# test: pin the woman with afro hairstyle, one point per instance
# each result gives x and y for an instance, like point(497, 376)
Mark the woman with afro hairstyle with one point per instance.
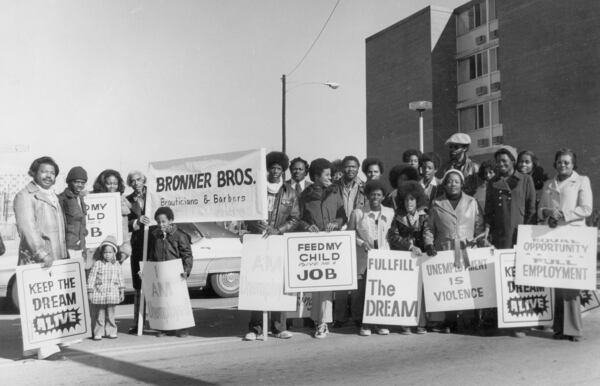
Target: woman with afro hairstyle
point(398, 175)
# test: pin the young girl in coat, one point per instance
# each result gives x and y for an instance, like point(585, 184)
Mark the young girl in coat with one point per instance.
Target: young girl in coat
point(106, 289)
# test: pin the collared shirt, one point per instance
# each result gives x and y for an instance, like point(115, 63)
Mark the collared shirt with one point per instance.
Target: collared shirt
point(371, 226)
point(301, 183)
point(349, 192)
point(429, 187)
point(50, 194)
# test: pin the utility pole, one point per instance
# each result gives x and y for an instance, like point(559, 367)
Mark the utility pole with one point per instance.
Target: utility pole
point(283, 92)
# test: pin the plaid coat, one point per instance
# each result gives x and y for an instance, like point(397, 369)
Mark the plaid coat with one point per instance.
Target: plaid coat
point(105, 283)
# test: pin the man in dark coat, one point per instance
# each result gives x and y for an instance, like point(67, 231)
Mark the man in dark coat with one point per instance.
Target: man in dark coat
point(509, 201)
point(283, 217)
point(73, 206)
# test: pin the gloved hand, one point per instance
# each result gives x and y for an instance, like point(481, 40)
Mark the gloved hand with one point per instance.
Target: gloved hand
point(430, 250)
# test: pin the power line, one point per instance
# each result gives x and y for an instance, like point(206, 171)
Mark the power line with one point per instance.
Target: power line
point(316, 39)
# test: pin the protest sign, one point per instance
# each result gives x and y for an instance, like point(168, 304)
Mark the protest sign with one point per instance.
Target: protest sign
point(167, 297)
point(448, 288)
point(320, 261)
point(103, 218)
point(220, 187)
point(393, 290)
point(590, 300)
point(261, 275)
point(561, 257)
point(303, 306)
point(53, 303)
point(520, 305)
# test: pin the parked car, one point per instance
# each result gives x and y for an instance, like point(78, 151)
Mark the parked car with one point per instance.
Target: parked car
point(217, 255)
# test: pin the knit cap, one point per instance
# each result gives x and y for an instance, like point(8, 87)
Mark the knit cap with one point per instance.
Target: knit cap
point(77, 173)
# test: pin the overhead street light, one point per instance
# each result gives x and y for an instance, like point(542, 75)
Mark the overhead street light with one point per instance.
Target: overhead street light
point(420, 106)
point(284, 90)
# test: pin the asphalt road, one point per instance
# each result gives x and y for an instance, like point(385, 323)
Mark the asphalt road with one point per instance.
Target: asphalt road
point(215, 354)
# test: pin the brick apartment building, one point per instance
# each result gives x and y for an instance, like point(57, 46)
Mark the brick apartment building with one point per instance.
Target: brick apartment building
point(520, 72)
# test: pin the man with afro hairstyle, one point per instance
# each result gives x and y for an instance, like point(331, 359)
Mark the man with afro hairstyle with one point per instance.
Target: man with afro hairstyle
point(283, 217)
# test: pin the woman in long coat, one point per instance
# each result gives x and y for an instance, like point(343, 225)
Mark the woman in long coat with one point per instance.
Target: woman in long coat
point(456, 222)
point(510, 201)
point(322, 209)
point(566, 200)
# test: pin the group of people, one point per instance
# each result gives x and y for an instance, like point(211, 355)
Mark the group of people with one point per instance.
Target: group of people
point(431, 207)
point(53, 226)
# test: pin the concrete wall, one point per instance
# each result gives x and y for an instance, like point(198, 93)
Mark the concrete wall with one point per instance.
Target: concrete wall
point(550, 64)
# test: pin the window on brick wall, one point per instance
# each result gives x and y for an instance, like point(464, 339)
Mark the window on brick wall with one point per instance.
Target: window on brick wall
point(483, 115)
point(472, 18)
point(494, 64)
point(496, 117)
point(468, 119)
point(473, 67)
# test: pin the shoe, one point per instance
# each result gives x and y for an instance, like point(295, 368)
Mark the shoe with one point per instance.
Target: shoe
point(160, 334)
point(56, 357)
point(97, 337)
point(132, 331)
point(364, 331)
point(251, 336)
point(383, 331)
point(405, 330)
point(575, 338)
point(322, 331)
point(558, 336)
point(518, 334)
point(337, 324)
point(284, 335)
point(112, 337)
point(421, 330)
point(445, 330)
point(183, 333)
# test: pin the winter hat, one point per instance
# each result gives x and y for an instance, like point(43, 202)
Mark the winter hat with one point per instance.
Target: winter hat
point(77, 173)
point(110, 240)
point(455, 171)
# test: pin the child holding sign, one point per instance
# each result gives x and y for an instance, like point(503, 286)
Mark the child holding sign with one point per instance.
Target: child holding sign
point(169, 243)
point(106, 289)
point(410, 232)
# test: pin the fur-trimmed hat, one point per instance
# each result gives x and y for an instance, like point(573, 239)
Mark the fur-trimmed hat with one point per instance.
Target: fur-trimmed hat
point(410, 172)
point(110, 240)
point(279, 158)
point(414, 189)
point(455, 171)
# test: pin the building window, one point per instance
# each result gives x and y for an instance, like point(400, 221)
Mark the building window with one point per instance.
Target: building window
point(492, 5)
point(483, 115)
point(494, 64)
point(473, 67)
point(472, 18)
point(496, 118)
point(468, 119)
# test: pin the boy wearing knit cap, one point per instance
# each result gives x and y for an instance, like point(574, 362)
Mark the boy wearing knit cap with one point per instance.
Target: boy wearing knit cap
point(73, 206)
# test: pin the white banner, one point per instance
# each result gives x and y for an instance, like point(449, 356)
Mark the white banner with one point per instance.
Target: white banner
point(261, 275)
point(320, 261)
point(518, 305)
point(167, 298)
point(561, 257)
point(393, 290)
point(53, 302)
point(448, 288)
point(220, 187)
point(103, 218)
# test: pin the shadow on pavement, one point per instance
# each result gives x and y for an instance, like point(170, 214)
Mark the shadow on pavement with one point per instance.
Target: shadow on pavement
point(135, 371)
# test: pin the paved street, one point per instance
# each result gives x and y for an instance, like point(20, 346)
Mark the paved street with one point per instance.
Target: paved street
point(215, 354)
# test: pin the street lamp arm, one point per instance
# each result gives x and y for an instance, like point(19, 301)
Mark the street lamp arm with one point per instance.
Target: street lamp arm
point(331, 85)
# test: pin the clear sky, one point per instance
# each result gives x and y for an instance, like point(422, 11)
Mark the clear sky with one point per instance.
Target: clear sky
point(119, 83)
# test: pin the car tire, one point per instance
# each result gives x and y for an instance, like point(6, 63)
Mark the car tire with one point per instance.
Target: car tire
point(225, 285)
point(13, 294)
